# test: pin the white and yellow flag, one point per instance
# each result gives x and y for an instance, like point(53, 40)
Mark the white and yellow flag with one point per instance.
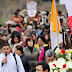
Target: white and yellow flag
point(53, 32)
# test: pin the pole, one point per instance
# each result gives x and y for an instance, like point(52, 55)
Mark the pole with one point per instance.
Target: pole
point(56, 24)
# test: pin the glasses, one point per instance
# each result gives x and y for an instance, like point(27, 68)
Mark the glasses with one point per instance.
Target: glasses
point(50, 60)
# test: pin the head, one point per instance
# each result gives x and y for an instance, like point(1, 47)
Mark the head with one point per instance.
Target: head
point(42, 67)
point(24, 39)
point(47, 28)
point(26, 32)
point(34, 36)
point(16, 14)
point(18, 10)
point(29, 28)
point(46, 35)
point(5, 48)
point(15, 37)
point(40, 40)
point(59, 13)
point(0, 27)
point(49, 42)
point(50, 56)
point(4, 38)
point(22, 35)
point(19, 50)
point(30, 42)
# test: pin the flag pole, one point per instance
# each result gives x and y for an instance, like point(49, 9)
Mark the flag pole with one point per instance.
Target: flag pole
point(56, 24)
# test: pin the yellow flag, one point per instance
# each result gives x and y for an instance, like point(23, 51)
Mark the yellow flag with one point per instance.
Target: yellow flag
point(53, 20)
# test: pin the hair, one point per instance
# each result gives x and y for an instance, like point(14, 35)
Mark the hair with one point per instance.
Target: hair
point(45, 33)
point(47, 26)
point(1, 42)
point(28, 39)
point(44, 65)
point(15, 34)
point(4, 44)
point(50, 53)
point(18, 47)
point(16, 13)
point(18, 10)
point(41, 37)
point(49, 40)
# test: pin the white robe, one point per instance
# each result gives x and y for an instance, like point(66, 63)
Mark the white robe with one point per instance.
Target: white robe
point(11, 66)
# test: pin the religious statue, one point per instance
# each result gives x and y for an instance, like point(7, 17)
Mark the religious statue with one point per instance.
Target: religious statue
point(66, 35)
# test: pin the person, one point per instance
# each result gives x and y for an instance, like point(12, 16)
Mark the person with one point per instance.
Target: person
point(8, 62)
point(42, 67)
point(24, 58)
point(40, 43)
point(42, 54)
point(2, 30)
point(31, 52)
point(15, 40)
point(47, 29)
point(26, 32)
point(24, 42)
point(29, 28)
point(50, 56)
point(45, 34)
point(16, 18)
point(1, 42)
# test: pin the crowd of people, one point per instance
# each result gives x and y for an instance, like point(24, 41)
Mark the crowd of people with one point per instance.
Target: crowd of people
point(25, 43)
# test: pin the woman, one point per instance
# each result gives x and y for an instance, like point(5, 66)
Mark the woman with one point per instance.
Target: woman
point(24, 58)
point(31, 52)
point(15, 40)
point(40, 43)
point(45, 34)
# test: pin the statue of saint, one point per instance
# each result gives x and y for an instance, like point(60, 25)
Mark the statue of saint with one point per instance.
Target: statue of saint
point(66, 35)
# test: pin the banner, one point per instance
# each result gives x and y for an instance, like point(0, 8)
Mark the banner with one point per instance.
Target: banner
point(31, 8)
point(53, 30)
point(62, 1)
point(68, 4)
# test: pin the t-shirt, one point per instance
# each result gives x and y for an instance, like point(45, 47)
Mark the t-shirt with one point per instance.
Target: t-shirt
point(16, 19)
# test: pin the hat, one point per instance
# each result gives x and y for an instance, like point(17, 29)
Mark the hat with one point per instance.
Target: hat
point(29, 27)
point(10, 22)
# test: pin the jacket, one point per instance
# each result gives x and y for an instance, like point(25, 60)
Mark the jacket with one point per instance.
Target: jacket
point(33, 56)
point(26, 63)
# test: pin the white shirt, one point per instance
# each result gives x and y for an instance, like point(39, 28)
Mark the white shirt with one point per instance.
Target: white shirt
point(11, 66)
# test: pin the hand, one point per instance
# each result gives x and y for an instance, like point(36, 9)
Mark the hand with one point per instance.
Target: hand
point(4, 60)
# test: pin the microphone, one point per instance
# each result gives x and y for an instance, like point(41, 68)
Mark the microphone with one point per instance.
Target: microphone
point(6, 56)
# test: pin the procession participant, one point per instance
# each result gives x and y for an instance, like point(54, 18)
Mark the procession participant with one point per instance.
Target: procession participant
point(8, 62)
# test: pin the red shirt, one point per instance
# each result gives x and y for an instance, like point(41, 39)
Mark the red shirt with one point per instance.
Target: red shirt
point(16, 19)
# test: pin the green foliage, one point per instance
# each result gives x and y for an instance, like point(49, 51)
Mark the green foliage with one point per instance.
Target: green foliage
point(69, 70)
point(62, 56)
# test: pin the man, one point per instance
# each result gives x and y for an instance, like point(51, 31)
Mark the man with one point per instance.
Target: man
point(42, 67)
point(47, 29)
point(2, 30)
point(16, 18)
point(8, 62)
point(29, 28)
point(24, 42)
point(50, 56)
